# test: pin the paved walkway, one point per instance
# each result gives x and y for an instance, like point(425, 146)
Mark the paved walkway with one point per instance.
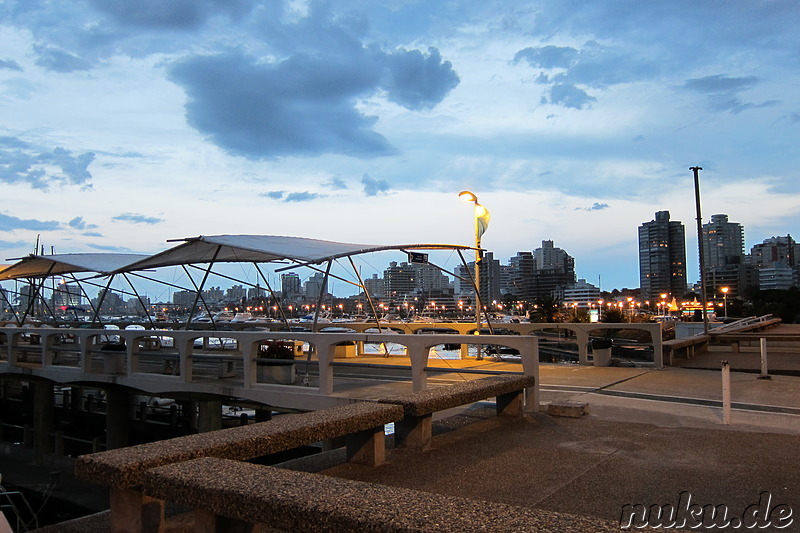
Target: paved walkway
point(651, 437)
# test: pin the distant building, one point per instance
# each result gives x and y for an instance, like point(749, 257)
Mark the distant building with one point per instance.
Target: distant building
point(724, 258)
point(183, 299)
point(375, 286)
point(582, 293)
point(314, 286)
point(236, 294)
point(399, 280)
point(662, 257)
point(67, 295)
point(490, 279)
point(777, 278)
point(290, 286)
point(777, 262)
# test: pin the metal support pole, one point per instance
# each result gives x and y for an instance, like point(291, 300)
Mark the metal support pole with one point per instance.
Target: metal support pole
point(704, 298)
point(726, 393)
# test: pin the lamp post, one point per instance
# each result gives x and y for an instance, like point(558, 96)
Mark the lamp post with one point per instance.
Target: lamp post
point(481, 223)
point(696, 172)
point(725, 299)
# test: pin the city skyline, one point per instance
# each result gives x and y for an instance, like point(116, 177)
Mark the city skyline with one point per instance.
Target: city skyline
point(130, 123)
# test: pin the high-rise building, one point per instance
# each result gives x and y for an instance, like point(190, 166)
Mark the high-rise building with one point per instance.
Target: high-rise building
point(290, 286)
point(490, 274)
point(723, 242)
point(375, 286)
point(550, 257)
point(314, 286)
point(774, 252)
point(777, 263)
point(400, 280)
point(662, 257)
point(723, 257)
point(521, 272)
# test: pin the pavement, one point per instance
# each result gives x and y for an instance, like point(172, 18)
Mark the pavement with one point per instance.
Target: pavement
point(652, 437)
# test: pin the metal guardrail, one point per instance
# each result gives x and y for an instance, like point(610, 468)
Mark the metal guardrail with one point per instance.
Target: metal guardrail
point(742, 323)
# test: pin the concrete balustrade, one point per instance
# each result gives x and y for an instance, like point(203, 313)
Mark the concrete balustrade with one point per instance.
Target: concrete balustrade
point(65, 355)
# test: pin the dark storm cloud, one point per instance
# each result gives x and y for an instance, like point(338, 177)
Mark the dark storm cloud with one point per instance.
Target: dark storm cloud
point(10, 64)
point(180, 14)
point(547, 56)
point(304, 102)
point(136, 218)
point(22, 162)
point(373, 187)
point(9, 223)
point(299, 106)
point(418, 81)
point(59, 60)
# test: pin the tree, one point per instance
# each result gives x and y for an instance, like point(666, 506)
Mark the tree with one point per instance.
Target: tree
point(613, 315)
point(546, 309)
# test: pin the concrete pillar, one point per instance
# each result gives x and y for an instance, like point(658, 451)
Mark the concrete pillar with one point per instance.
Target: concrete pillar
point(43, 398)
point(209, 415)
point(117, 417)
point(173, 415)
point(76, 399)
point(189, 415)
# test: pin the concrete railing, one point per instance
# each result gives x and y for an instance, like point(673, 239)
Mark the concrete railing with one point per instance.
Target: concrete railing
point(225, 363)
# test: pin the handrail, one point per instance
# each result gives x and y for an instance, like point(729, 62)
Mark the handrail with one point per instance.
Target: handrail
point(86, 357)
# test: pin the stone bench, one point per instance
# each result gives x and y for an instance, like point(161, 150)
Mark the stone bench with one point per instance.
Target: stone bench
point(362, 424)
point(418, 407)
point(239, 496)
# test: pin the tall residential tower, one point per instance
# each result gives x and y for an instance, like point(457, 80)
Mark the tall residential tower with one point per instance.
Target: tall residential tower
point(662, 257)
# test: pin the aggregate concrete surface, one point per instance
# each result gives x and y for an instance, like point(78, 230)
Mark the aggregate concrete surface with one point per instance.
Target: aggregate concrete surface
point(645, 441)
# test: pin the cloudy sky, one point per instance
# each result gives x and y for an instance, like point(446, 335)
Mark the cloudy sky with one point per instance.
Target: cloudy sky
point(126, 123)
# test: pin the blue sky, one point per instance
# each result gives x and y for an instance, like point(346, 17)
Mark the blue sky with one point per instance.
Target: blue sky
point(125, 123)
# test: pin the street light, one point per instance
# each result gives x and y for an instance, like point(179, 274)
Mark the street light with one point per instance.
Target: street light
point(725, 299)
point(481, 223)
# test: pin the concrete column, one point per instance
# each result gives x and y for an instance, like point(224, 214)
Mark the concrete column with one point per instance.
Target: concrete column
point(189, 415)
point(43, 398)
point(209, 415)
point(117, 417)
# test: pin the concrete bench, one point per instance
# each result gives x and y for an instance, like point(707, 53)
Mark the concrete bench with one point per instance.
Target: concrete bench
point(418, 407)
point(240, 496)
point(684, 348)
point(122, 469)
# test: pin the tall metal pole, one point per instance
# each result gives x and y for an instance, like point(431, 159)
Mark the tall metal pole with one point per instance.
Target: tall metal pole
point(478, 301)
point(696, 171)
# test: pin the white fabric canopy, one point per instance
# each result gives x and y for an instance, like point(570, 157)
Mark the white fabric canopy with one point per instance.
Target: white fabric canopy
point(265, 248)
point(35, 266)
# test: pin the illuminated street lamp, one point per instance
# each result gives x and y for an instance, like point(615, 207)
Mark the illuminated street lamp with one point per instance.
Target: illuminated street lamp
point(481, 223)
point(725, 299)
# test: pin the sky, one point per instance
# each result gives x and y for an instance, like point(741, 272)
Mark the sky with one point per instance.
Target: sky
point(127, 123)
